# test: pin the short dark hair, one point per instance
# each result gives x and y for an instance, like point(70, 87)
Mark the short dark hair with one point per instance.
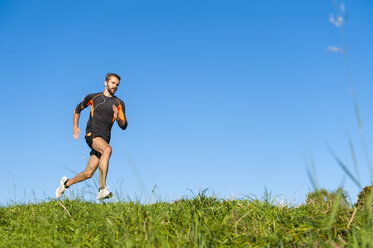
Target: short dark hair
point(108, 75)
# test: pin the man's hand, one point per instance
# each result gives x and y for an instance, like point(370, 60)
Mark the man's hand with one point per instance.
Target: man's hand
point(121, 122)
point(76, 132)
point(116, 112)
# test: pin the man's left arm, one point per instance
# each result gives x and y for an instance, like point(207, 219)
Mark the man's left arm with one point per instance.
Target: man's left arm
point(120, 115)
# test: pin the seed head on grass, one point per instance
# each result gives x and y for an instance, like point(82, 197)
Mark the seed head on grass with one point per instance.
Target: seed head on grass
point(365, 198)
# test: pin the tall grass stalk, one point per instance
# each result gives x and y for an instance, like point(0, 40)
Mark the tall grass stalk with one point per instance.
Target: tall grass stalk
point(340, 12)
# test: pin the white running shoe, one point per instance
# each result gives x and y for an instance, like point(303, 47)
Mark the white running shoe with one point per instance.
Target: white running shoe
point(62, 188)
point(104, 193)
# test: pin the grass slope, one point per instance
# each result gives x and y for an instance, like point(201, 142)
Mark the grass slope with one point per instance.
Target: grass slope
point(201, 221)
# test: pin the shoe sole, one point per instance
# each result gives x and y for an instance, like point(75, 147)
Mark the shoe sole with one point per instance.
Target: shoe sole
point(63, 180)
point(106, 196)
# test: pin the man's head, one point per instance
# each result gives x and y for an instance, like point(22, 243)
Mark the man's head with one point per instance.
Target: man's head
point(112, 81)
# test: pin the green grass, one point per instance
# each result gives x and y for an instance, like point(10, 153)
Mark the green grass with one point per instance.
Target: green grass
point(200, 221)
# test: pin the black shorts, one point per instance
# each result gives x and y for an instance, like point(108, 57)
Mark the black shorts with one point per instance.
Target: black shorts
point(89, 140)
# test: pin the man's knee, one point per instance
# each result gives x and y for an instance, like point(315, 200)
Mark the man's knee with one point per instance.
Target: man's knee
point(108, 150)
point(88, 174)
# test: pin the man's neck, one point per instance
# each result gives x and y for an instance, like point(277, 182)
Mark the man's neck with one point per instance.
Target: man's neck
point(106, 93)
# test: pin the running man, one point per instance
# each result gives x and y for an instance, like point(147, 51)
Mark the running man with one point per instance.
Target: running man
point(105, 109)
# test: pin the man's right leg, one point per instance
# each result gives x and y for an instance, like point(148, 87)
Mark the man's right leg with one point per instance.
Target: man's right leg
point(87, 173)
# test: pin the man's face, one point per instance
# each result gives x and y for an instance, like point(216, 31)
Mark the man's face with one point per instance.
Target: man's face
point(112, 85)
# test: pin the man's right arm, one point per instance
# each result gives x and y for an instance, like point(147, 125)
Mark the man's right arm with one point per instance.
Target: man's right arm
point(85, 103)
point(75, 126)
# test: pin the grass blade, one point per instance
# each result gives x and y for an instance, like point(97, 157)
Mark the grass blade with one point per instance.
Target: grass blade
point(344, 167)
point(353, 154)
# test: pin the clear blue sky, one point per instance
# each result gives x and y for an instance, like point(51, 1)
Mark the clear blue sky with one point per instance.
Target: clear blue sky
point(228, 95)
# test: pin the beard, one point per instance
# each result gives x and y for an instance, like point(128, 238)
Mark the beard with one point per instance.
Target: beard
point(111, 91)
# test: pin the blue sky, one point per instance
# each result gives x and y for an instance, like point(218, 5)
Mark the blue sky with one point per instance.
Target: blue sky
point(233, 96)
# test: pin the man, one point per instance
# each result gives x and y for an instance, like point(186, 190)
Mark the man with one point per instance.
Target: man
point(105, 109)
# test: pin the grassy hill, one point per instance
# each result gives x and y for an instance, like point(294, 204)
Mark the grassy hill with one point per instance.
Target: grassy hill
point(200, 221)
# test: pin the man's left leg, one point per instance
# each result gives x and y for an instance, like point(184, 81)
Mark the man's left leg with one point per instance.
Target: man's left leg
point(101, 146)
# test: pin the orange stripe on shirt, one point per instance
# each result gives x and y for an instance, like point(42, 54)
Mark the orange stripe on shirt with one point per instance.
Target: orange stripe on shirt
point(120, 111)
point(91, 103)
point(121, 115)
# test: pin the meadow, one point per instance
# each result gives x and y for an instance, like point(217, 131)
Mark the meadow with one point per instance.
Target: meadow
point(326, 219)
